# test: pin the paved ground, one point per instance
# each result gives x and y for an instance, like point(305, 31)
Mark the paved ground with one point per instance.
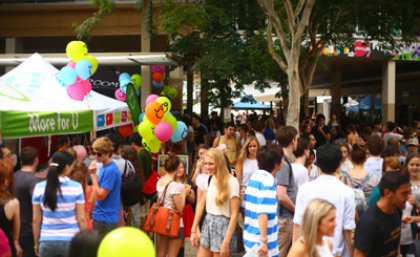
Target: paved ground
point(191, 252)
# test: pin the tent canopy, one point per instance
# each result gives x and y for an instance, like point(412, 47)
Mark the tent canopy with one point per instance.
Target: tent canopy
point(248, 102)
point(365, 104)
point(33, 87)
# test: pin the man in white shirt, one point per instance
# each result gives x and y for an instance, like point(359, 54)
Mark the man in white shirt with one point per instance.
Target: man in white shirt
point(373, 164)
point(328, 187)
point(392, 128)
point(300, 173)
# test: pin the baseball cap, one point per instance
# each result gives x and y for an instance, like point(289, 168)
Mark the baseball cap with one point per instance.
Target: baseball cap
point(413, 141)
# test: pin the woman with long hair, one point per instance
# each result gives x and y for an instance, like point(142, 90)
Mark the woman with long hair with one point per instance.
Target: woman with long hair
point(318, 223)
point(53, 199)
point(220, 197)
point(247, 162)
point(9, 210)
point(174, 194)
point(197, 171)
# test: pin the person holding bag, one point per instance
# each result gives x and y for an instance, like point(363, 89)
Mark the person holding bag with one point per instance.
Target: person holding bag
point(173, 195)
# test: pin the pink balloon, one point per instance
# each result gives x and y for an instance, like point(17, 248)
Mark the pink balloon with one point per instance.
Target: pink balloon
point(72, 64)
point(163, 131)
point(76, 91)
point(151, 98)
point(159, 68)
point(119, 95)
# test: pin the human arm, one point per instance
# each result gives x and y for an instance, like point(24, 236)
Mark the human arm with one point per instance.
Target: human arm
point(195, 228)
point(296, 228)
point(284, 199)
point(234, 211)
point(239, 169)
point(298, 249)
point(100, 193)
point(14, 208)
point(348, 237)
point(36, 225)
point(179, 198)
point(80, 216)
point(262, 223)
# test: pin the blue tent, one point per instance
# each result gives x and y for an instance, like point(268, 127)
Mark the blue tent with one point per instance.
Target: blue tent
point(248, 102)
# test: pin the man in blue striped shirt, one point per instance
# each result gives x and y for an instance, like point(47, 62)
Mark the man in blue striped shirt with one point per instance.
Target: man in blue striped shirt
point(260, 201)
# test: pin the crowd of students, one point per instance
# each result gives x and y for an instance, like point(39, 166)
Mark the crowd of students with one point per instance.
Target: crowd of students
point(308, 192)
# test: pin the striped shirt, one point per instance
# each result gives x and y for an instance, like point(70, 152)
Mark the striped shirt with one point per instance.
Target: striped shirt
point(261, 198)
point(61, 224)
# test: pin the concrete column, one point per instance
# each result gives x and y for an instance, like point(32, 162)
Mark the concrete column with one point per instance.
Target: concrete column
point(145, 69)
point(388, 91)
point(336, 94)
point(12, 46)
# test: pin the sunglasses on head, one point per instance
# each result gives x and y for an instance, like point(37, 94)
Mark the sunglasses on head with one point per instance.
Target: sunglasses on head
point(99, 154)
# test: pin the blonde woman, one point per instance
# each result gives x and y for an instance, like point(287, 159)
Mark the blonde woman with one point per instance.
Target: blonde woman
point(247, 162)
point(221, 201)
point(318, 222)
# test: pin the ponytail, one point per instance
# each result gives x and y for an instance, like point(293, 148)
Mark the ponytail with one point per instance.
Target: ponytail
point(59, 162)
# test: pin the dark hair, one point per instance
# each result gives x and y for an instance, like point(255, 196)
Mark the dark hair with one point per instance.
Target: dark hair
point(285, 135)
point(229, 124)
point(135, 138)
point(258, 125)
point(390, 125)
point(389, 150)
point(328, 158)
point(245, 127)
point(302, 145)
point(269, 156)
point(318, 117)
point(392, 181)
point(85, 244)
point(59, 161)
point(172, 163)
point(358, 154)
point(130, 154)
point(28, 155)
point(116, 140)
point(410, 156)
point(62, 140)
point(375, 145)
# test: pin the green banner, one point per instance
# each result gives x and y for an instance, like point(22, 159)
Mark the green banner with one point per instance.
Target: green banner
point(26, 124)
point(133, 103)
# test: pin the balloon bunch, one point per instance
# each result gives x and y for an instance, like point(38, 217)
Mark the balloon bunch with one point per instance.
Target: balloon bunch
point(158, 125)
point(125, 79)
point(74, 76)
point(158, 77)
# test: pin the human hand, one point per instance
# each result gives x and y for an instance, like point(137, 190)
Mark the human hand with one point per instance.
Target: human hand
point(407, 219)
point(263, 250)
point(19, 251)
point(36, 248)
point(92, 167)
point(412, 199)
point(224, 249)
point(195, 239)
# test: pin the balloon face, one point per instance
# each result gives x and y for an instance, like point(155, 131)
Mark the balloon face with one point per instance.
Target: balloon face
point(172, 93)
point(116, 243)
point(119, 95)
point(154, 112)
point(76, 50)
point(84, 69)
point(165, 102)
point(180, 132)
point(94, 62)
point(152, 146)
point(136, 80)
point(146, 129)
point(123, 84)
point(67, 75)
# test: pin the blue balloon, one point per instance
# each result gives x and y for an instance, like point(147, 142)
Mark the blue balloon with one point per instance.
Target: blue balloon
point(180, 132)
point(158, 85)
point(124, 76)
point(67, 76)
point(84, 69)
point(141, 117)
point(123, 84)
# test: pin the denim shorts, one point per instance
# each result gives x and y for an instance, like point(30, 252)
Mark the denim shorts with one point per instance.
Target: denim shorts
point(54, 248)
point(213, 232)
point(180, 234)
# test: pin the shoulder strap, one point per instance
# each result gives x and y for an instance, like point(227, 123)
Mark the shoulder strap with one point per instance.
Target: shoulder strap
point(209, 180)
point(125, 168)
point(164, 193)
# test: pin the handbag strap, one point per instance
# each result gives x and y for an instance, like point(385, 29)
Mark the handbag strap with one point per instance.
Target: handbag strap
point(164, 193)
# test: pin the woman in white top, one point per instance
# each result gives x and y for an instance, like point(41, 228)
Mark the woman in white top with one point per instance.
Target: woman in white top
point(221, 200)
point(318, 223)
point(174, 199)
point(247, 161)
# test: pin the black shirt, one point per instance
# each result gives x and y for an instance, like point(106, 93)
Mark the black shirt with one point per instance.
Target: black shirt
point(378, 233)
point(319, 137)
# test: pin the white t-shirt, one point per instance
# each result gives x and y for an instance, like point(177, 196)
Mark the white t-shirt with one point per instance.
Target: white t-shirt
point(261, 139)
point(249, 167)
point(373, 166)
point(201, 180)
point(329, 188)
point(300, 173)
point(174, 188)
point(212, 192)
point(390, 135)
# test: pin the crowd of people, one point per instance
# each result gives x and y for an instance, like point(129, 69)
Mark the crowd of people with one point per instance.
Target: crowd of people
point(254, 185)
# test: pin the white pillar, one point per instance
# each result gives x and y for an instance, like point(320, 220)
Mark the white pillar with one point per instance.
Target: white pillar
point(12, 46)
point(145, 69)
point(388, 91)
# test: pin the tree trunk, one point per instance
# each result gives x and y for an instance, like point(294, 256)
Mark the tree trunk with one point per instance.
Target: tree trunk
point(204, 97)
point(190, 84)
point(293, 110)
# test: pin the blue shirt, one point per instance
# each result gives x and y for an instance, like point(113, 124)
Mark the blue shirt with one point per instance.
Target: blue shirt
point(108, 209)
point(60, 224)
point(261, 198)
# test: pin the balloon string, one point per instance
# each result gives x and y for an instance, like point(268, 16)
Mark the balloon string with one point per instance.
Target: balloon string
point(87, 96)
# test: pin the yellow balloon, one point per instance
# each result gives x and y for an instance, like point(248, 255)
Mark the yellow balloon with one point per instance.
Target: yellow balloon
point(76, 50)
point(94, 63)
point(136, 80)
point(126, 242)
point(169, 118)
point(152, 146)
point(146, 129)
point(165, 102)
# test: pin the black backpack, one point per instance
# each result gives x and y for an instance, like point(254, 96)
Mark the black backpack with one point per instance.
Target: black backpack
point(130, 187)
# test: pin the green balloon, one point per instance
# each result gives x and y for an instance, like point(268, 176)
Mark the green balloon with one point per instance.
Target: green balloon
point(172, 93)
point(169, 118)
point(152, 146)
point(146, 129)
point(127, 242)
point(136, 80)
point(166, 90)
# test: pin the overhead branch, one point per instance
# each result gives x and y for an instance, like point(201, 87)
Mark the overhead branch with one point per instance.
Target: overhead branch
point(271, 49)
point(298, 8)
point(291, 19)
point(304, 20)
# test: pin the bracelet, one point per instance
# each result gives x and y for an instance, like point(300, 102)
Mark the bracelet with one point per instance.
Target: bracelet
point(192, 232)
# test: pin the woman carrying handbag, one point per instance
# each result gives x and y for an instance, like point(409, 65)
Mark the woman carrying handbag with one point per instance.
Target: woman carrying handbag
point(173, 195)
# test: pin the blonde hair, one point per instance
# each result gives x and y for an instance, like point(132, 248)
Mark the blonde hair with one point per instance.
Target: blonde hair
point(103, 145)
point(221, 174)
point(243, 154)
point(316, 210)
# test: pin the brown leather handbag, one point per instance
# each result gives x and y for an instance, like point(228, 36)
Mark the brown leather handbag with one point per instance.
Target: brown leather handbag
point(163, 221)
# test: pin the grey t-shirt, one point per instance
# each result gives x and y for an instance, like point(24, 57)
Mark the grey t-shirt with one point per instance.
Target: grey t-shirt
point(23, 187)
point(284, 177)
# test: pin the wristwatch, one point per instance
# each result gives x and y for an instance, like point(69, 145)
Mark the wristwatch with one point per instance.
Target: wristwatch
point(264, 240)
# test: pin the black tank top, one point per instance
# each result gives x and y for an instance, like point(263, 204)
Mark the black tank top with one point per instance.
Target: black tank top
point(7, 226)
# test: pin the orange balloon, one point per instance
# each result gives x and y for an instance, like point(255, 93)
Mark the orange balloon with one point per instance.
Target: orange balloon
point(125, 130)
point(156, 76)
point(154, 112)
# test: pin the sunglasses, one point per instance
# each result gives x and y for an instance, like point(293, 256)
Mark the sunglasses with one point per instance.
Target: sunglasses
point(99, 154)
